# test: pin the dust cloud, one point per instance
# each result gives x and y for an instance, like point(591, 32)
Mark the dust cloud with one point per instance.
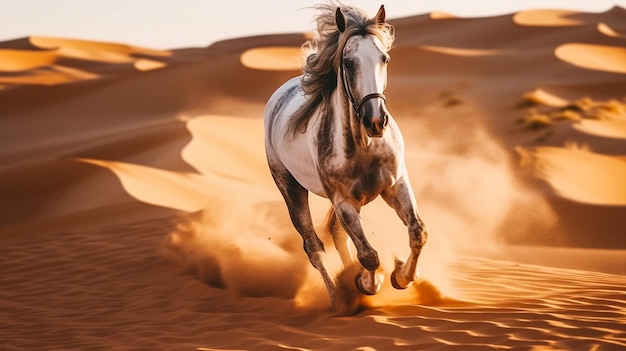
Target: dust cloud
point(247, 248)
point(467, 195)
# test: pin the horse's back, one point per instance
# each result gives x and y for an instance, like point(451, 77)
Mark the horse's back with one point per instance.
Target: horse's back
point(281, 105)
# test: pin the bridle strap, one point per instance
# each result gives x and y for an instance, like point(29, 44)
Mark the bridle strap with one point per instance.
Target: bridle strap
point(348, 92)
point(370, 96)
point(346, 88)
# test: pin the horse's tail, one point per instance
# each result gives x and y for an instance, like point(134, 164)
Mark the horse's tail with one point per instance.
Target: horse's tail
point(330, 224)
point(339, 236)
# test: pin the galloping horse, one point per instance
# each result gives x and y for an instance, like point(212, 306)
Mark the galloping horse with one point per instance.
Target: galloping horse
point(329, 132)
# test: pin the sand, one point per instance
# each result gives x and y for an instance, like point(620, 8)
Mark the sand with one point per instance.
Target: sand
point(138, 212)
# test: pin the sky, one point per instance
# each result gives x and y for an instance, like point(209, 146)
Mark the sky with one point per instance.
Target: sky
point(169, 24)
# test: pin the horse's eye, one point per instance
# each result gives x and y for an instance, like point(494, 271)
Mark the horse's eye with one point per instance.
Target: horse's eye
point(386, 58)
point(348, 64)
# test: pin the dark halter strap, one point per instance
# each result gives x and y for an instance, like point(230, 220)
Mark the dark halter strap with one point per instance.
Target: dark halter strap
point(346, 89)
point(370, 96)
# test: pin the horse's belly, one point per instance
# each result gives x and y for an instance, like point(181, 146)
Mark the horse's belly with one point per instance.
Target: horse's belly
point(299, 160)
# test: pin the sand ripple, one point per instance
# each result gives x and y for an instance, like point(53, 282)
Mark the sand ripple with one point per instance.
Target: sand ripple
point(106, 289)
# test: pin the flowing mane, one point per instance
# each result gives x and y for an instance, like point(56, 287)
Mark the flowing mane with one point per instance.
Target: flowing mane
point(324, 54)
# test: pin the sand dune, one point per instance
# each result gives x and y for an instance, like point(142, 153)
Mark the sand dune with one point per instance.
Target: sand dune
point(583, 176)
point(441, 15)
point(137, 210)
point(19, 60)
point(95, 51)
point(465, 52)
point(147, 65)
point(273, 58)
point(48, 65)
point(51, 75)
point(610, 31)
point(607, 129)
point(591, 56)
point(547, 18)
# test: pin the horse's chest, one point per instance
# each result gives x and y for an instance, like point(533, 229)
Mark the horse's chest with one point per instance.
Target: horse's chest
point(362, 178)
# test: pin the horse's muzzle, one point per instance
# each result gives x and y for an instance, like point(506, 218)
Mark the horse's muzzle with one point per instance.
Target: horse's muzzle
point(377, 126)
point(375, 118)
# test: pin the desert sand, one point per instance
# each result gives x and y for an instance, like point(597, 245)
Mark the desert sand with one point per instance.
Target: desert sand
point(137, 210)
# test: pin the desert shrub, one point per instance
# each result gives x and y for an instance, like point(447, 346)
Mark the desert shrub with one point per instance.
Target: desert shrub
point(534, 120)
point(566, 115)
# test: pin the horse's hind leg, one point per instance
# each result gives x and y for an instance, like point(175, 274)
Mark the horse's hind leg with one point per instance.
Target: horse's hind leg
point(400, 197)
point(296, 198)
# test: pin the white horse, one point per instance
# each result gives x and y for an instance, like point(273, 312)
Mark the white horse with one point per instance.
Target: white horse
point(329, 132)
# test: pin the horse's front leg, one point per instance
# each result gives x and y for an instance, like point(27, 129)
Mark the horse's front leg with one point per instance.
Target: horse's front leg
point(368, 281)
point(401, 198)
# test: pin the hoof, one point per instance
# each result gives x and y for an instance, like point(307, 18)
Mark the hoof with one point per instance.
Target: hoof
point(357, 282)
point(396, 284)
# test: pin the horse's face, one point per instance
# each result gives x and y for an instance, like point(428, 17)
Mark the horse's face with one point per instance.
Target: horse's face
point(364, 65)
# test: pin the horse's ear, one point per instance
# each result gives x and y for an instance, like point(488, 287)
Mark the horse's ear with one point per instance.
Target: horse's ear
point(340, 19)
point(380, 16)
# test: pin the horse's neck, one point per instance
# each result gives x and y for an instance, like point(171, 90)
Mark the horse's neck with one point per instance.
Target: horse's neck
point(346, 119)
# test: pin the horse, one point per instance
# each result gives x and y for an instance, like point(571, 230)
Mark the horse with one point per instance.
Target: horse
point(328, 131)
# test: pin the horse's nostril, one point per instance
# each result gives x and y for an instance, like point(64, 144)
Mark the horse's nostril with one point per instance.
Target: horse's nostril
point(367, 122)
point(385, 120)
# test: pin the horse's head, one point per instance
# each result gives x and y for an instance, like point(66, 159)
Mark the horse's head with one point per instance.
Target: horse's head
point(363, 70)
